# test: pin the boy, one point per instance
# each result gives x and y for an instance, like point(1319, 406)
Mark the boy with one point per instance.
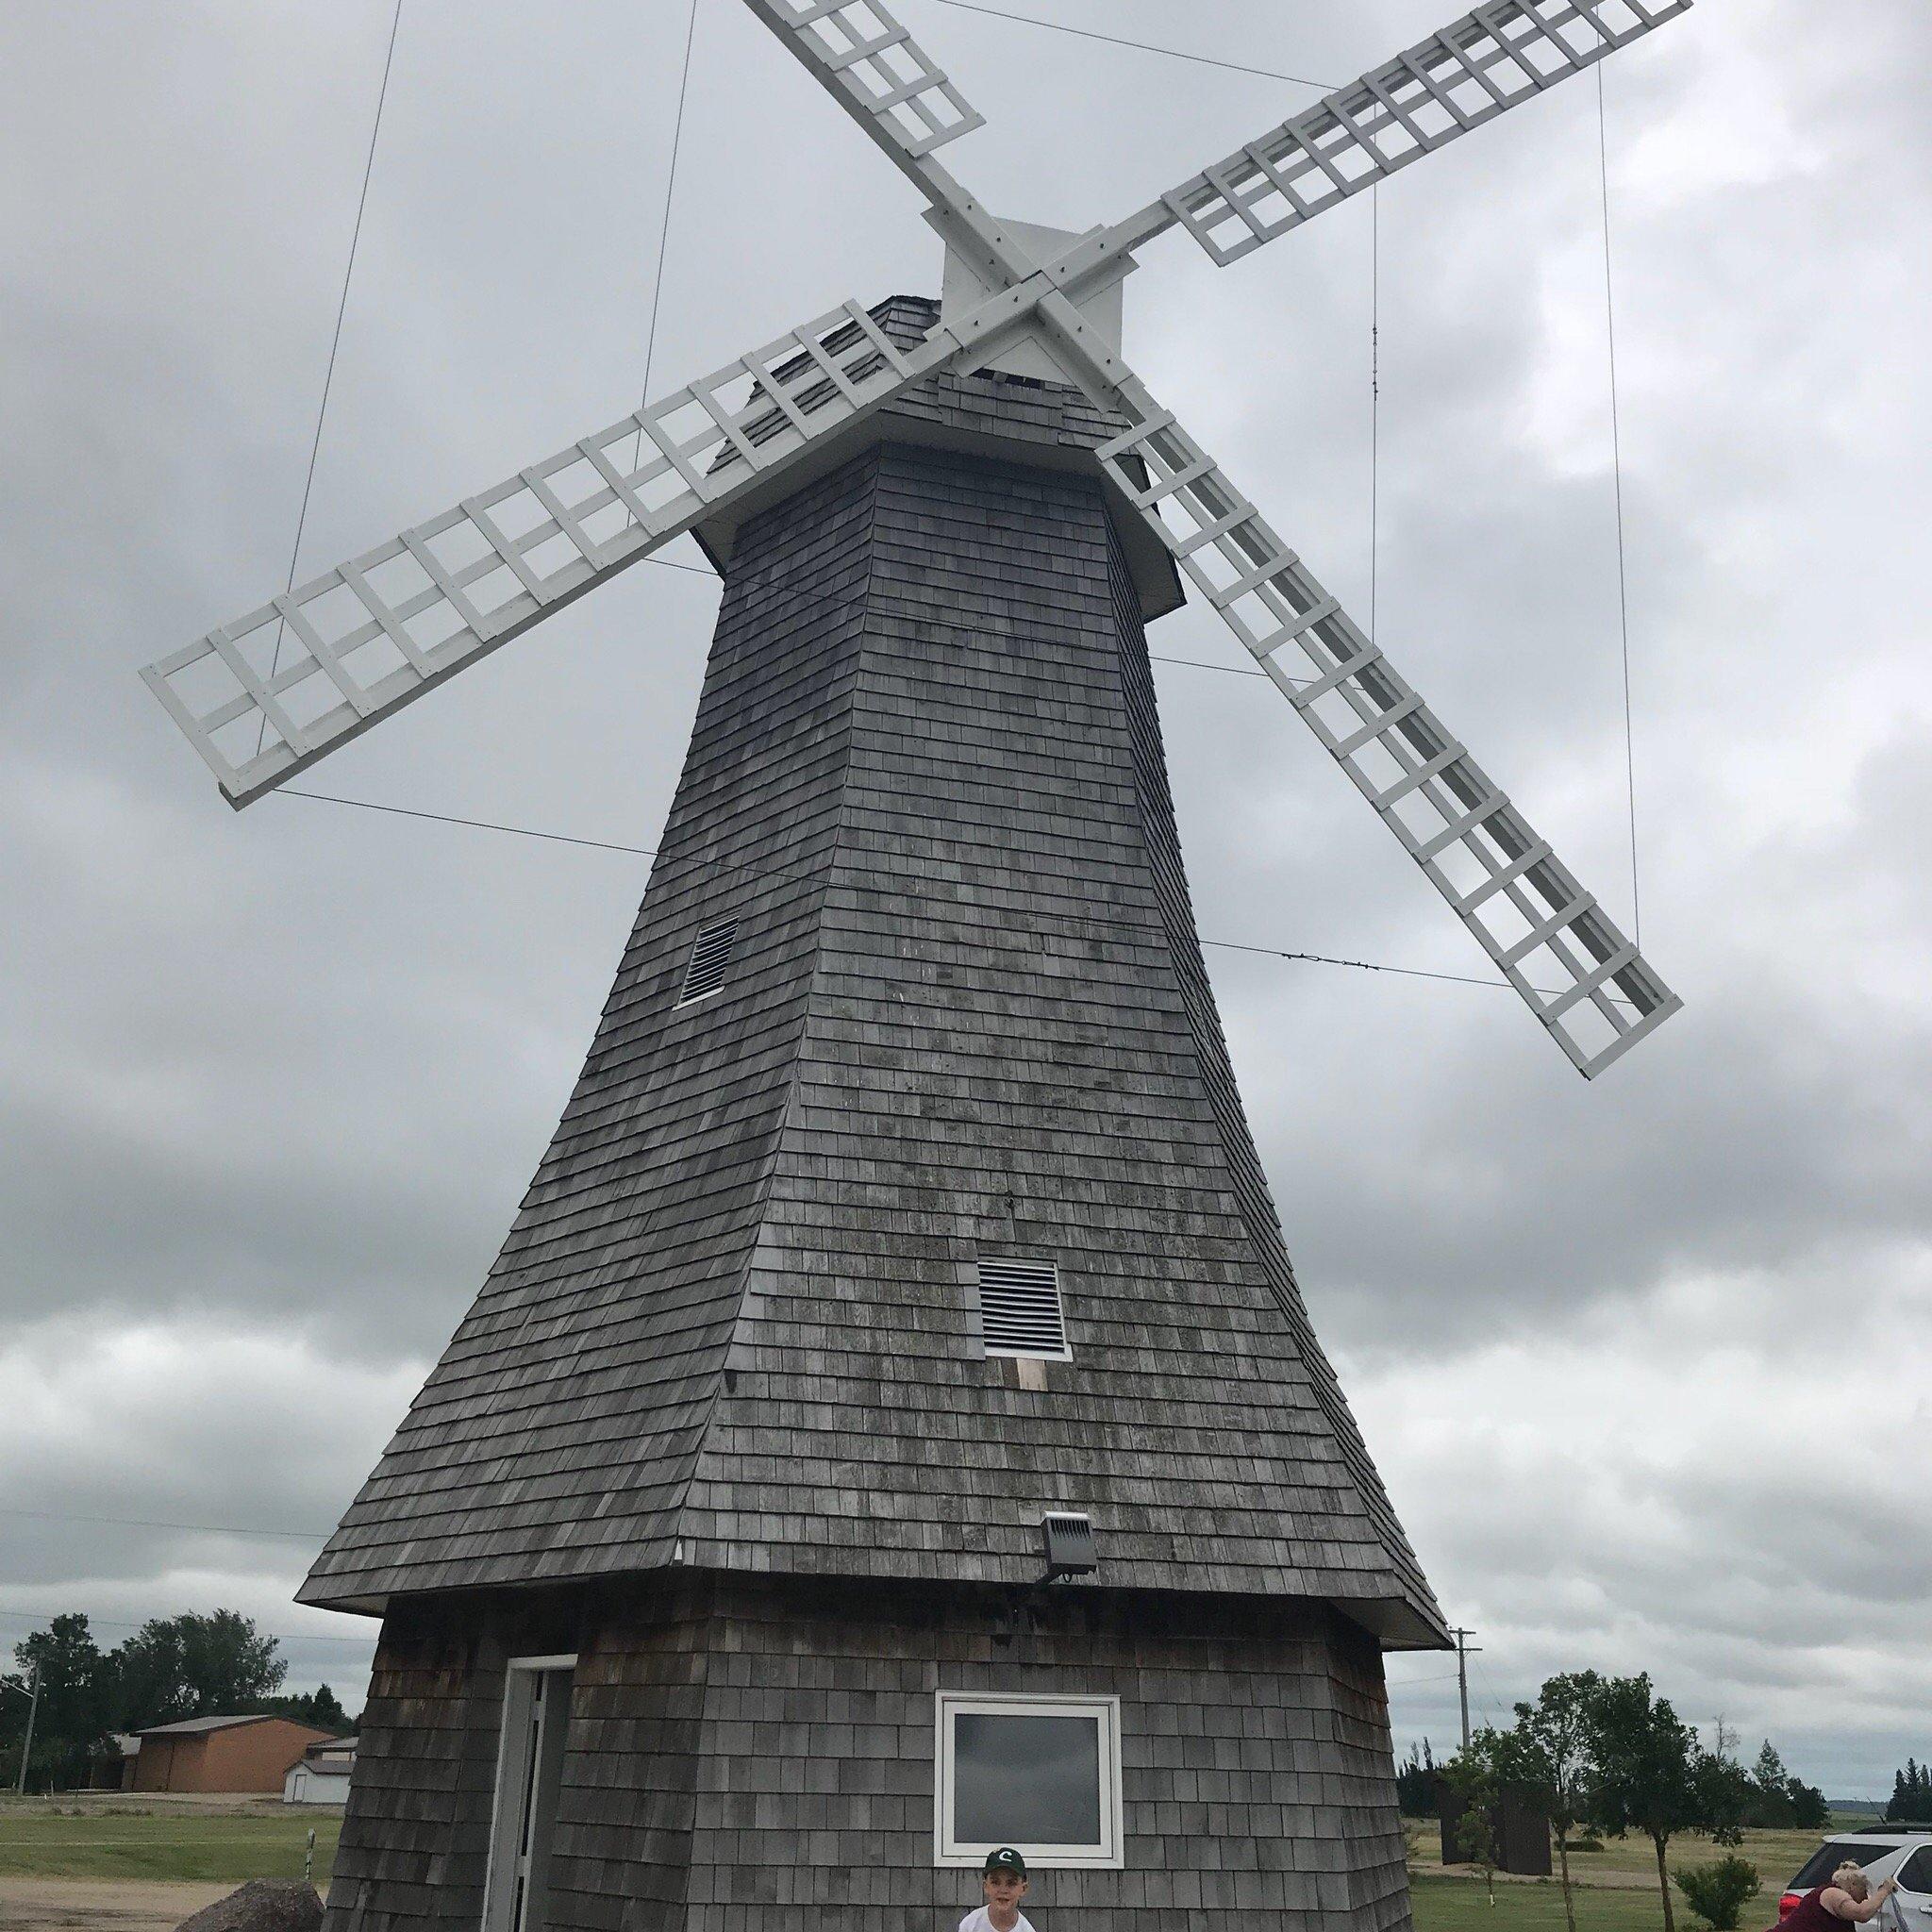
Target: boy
point(1004, 1884)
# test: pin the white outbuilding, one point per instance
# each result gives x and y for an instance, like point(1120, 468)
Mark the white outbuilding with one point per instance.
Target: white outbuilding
point(320, 1775)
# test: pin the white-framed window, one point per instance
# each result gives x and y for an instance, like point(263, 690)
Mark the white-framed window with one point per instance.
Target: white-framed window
point(529, 1769)
point(1042, 1774)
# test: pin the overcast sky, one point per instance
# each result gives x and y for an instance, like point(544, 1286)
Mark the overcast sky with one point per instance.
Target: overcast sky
point(1645, 1364)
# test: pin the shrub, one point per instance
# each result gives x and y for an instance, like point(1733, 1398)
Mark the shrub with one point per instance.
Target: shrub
point(1719, 1892)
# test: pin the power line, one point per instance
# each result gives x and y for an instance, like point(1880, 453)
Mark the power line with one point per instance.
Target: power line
point(126, 1624)
point(335, 344)
point(1139, 46)
point(314, 1536)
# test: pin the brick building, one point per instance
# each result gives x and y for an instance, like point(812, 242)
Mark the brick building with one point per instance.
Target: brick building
point(905, 1198)
point(221, 1754)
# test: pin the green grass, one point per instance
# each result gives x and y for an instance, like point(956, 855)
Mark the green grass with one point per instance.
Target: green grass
point(34, 1843)
point(1460, 1904)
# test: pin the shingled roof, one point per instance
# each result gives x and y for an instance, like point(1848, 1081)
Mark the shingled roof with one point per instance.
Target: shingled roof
point(964, 1018)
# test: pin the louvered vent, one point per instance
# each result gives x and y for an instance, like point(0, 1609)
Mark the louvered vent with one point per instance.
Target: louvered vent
point(709, 954)
point(1020, 1312)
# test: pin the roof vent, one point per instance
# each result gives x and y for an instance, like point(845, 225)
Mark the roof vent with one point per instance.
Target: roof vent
point(704, 973)
point(1020, 1312)
point(1070, 1550)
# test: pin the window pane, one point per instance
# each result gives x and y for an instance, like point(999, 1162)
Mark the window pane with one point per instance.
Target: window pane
point(1829, 1857)
point(1917, 1875)
point(1026, 1780)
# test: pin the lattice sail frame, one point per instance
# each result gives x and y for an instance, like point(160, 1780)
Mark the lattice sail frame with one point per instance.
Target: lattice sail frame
point(1548, 937)
point(877, 66)
point(1489, 60)
point(267, 694)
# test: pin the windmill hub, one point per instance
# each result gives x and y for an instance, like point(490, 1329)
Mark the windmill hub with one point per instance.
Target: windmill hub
point(971, 281)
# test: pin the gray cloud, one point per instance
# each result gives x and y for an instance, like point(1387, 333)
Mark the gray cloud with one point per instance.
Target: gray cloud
point(274, 1082)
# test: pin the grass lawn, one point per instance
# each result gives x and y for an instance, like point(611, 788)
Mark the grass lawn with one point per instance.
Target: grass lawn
point(38, 1842)
point(1616, 1889)
point(1460, 1904)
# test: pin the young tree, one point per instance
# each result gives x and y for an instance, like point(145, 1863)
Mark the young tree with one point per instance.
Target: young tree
point(1718, 1892)
point(1476, 1777)
point(1646, 1776)
point(1549, 1752)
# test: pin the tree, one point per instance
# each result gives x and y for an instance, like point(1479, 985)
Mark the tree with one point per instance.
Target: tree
point(1911, 1794)
point(217, 1665)
point(1725, 1797)
point(1415, 1783)
point(1646, 1775)
point(1474, 1776)
point(1549, 1751)
point(1718, 1892)
point(320, 1707)
point(72, 1720)
point(1772, 1804)
point(1810, 1812)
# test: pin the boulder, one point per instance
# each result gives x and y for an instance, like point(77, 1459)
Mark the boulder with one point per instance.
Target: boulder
point(264, 1904)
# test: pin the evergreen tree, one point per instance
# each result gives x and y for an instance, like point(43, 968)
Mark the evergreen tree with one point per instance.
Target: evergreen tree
point(1415, 1783)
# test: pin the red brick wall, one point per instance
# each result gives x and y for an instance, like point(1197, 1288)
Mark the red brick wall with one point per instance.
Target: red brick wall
point(243, 1757)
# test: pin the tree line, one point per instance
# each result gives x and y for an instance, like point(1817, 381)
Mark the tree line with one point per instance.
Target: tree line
point(217, 1665)
point(1911, 1794)
point(1607, 1754)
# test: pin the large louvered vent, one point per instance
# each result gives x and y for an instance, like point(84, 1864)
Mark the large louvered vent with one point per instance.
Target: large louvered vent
point(710, 952)
point(1020, 1312)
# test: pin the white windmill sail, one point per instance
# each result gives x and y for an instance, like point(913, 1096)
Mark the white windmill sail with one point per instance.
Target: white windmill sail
point(1488, 62)
point(264, 697)
point(268, 694)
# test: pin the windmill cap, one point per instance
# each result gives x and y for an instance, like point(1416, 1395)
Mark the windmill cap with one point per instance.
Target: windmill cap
point(1005, 1859)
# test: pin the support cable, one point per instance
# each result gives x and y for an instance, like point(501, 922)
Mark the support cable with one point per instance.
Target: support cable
point(1375, 397)
point(691, 34)
point(440, 818)
point(1603, 154)
point(335, 344)
point(1139, 46)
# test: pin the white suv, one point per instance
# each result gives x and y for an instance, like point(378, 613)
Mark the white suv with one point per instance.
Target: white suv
point(1886, 1851)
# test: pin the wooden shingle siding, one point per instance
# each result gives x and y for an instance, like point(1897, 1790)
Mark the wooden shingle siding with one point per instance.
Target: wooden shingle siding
point(966, 1016)
point(747, 1755)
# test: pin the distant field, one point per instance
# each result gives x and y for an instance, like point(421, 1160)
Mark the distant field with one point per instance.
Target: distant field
point(36, 1841)
point(1628, 1861)
point(1460, 1904)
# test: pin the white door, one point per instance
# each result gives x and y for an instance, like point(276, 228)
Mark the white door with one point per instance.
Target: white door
point(1913, 1898)
point(536, 1719)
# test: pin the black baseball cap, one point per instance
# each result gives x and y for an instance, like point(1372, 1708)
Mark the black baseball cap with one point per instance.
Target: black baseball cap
point(1005, 1859)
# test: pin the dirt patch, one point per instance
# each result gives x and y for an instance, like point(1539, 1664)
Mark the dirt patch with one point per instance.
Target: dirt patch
point(101, 1905)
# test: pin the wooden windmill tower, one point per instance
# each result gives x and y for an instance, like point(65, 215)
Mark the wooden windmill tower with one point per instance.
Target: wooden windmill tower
point(903, 1244)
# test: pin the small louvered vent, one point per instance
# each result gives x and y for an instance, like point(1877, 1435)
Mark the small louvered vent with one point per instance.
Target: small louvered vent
point(709, 954)
point(1020, 1312)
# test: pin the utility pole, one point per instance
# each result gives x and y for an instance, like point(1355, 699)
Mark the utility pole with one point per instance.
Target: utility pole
point(1464, 1650)
point(33, 1710)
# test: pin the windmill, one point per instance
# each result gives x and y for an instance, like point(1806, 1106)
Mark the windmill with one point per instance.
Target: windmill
point(893, 1428)
point(267, 695)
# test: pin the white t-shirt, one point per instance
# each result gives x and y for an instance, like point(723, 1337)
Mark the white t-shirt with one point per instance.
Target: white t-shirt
point(981, 1921)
